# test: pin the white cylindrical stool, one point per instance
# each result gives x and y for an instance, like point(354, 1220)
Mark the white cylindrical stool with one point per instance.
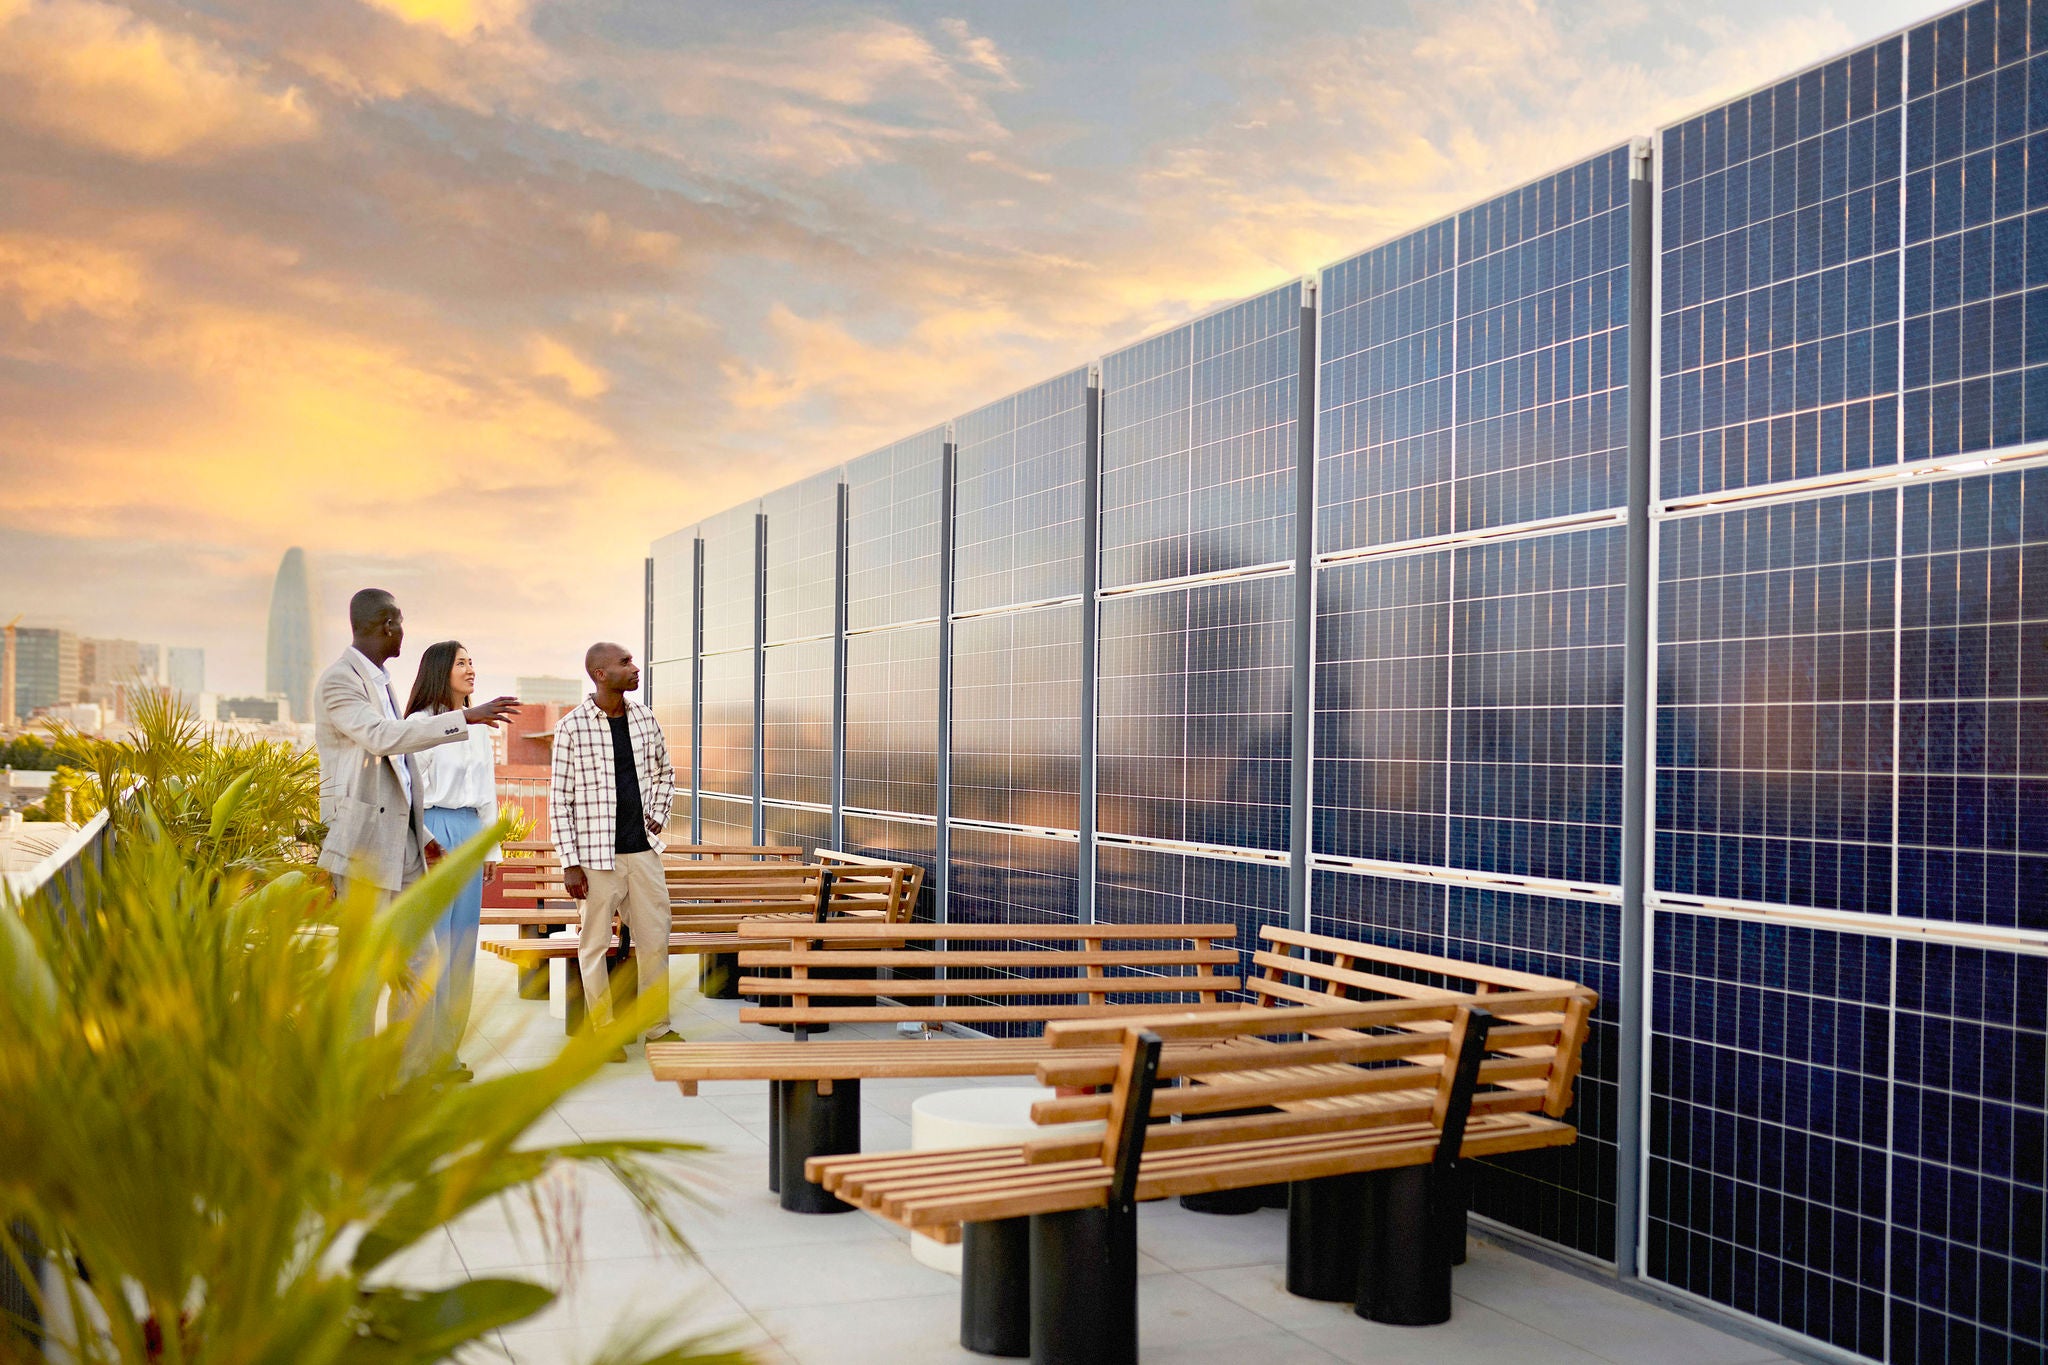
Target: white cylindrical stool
point(985, 1116)
point(558, 974)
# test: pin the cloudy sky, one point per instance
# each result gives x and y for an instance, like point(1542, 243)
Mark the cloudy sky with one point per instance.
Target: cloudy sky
point(474, 298)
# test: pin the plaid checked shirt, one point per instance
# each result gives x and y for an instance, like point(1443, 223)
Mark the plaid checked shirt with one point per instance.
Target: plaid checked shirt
point(583, 795)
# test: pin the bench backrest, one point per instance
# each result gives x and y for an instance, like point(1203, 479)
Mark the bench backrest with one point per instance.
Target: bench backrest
point(986, 973)
point(1297, 1071)
point(1297, 968)
point(909, 885)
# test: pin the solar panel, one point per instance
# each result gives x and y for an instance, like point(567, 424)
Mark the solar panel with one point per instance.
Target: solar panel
point(1199, 444)
point(729, 557)
point(1775, 718)
point(1976, 296)
point(806, 827)
point(1159, 886)
point(1017, 717)
point(894, 505)
point(796, 722)
point(675, 703)
point(726, 821)
point(892, 720)
point(675, 577)
point(909, 841)
point(1780, 302)
point(802, 558)
point(1195, 713)
point(728, 724)
point(999, 877)
point(1019, 477)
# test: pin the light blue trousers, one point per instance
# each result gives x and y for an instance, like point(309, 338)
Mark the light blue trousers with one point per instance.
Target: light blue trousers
point(449, 954)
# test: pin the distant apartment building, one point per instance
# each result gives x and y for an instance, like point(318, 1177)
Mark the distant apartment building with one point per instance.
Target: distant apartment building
point(547, 690)
point(45, 668)
point(275, 709)
point(109, 669)
point(185, 670)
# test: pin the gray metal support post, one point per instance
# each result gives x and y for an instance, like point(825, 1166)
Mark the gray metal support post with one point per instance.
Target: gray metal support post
point(1091, 574)
point(942, 838)
point(1304, 613)
point(760, 660)
point(839, 673)
point(1636, 718)
point(647, 635)
point(697, 690)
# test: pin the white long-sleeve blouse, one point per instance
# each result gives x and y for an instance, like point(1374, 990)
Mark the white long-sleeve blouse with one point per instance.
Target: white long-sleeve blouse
point(458, 775)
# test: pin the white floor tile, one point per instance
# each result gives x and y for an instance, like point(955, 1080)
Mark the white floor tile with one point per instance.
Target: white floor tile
point(924, 1329)
point(807, 1275)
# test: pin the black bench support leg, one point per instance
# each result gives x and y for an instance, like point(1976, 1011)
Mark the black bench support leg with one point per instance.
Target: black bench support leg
point(718, 976)
point(778, 1111)
point(995, 1287)
point(533, 979)
point(1325, 1235)
point(1404, 1269)
point(815, 1125)
point(1084, 1287)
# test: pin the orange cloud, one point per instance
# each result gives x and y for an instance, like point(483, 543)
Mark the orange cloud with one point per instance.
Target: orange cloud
point(98, 76)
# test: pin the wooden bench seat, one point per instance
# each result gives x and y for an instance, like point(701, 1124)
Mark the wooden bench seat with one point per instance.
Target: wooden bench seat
point(1394, 1109)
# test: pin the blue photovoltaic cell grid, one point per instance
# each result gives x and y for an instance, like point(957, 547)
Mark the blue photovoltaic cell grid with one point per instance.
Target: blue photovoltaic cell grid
point(807, 827)
point(1769, 1121)
point(1199, 450)
point(730, 543)
point(728, 724)
point(803, 558)
point(895, 504)
point(727, 821)
point(1154, 886)
point(1568, 1194)
point(1542, 348)
point(1973, 701)
point(1195, 706)
point(1774, 711)
point(675, 559)
point(1536, 705)
point(1004, 878)
point(1780, 280)
point(892, 720)
point(675, 706)
point(1976, 306)
point(796, 722)
point(908, 841)
point(1382, 691)
point(1383, 459)
point(1017, 718)
point(1970, 1156)
point(1020, 473)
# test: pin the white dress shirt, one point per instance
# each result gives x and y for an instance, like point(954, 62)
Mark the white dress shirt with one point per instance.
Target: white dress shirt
point(458, 775)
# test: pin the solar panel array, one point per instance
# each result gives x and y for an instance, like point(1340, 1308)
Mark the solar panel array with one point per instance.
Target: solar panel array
point(1841, 1128)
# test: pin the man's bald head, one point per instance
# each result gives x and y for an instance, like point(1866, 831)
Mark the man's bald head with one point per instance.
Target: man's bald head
point(612, 668)
point(603, 655)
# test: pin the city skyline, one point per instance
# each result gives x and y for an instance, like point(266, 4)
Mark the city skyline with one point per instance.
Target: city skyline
point(386, 280)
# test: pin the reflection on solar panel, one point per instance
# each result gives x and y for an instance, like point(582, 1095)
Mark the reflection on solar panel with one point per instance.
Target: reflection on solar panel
point(1004, 878)
point(674, 596)
point(1017, 717)
point(803, 558)
point(909, 841)
point(1196, 707)
point(894, 506)
point(796, 722)
point(728, 724)
point(1781, 277)
point(1019, 477)
point(1976, 310)
point(1199, 444)
point(674, 710)
point(892, 720)
point(726, 822)
point(1157, 886)
point(1774, 716)
point(1973, 712)
point(729, 556)
point(806, 827)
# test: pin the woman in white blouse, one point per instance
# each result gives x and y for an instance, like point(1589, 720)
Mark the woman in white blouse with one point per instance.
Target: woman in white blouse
point(459, 788)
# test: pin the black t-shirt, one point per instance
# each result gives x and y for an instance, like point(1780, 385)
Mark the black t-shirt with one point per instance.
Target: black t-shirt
point(632, 817)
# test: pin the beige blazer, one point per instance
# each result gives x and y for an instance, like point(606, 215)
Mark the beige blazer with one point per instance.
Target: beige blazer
point(362, 800)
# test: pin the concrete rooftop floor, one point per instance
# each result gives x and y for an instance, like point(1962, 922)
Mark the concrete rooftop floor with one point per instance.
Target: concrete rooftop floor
point(844, 1289)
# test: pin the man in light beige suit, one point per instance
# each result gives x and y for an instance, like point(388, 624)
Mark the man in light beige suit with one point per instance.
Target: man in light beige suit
point(369, 792)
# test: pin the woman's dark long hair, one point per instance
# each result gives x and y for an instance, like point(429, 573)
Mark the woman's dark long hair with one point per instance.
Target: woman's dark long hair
point(431, 690)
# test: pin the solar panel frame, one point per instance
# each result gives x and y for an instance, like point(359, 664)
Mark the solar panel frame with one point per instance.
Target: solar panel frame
point(1016, 717)
point(892, 720)
point(1021, 466)
point(895, 507)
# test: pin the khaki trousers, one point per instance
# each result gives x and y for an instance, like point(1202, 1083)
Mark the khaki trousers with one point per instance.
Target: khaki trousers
point(636, 890)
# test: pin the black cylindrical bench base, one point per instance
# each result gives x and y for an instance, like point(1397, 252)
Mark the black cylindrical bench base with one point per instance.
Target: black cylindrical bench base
point(1249, 1200)
point(995, 1287)
point(1325, 1233)
point(718, 976)
point(814, 1125)
point(1404, 1268)
point(1084, 1287)
point(778, 1105)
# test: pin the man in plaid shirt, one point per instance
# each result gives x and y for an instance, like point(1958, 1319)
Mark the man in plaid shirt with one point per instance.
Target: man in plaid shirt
point(608, 802)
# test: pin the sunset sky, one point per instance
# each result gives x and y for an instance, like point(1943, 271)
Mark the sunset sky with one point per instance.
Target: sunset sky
point(474, 298)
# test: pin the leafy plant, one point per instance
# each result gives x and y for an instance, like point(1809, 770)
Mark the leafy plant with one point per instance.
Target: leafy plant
point(184, 771)
point(518, 824)
point(220, 1151)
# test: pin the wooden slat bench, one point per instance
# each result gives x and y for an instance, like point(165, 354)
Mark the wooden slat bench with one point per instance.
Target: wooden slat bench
point(1358, 1107)
point(883, 973)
